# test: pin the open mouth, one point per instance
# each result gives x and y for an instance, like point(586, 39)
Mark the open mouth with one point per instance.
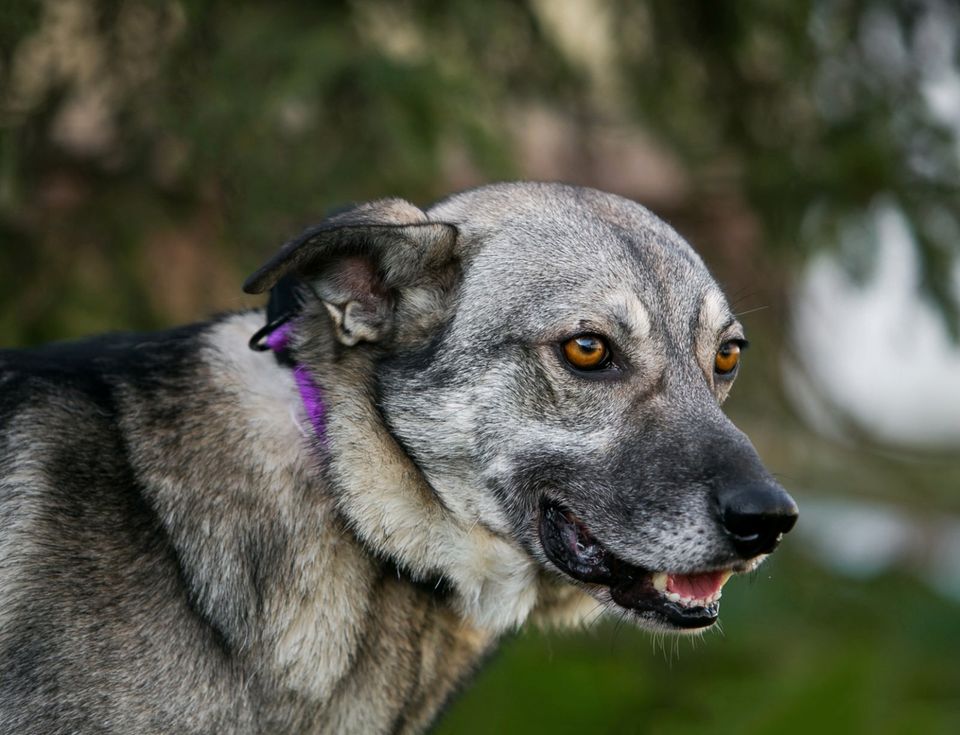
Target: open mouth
point(685, 601)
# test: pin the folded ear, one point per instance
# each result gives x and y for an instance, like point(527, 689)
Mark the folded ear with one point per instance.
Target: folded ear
point(358, 259)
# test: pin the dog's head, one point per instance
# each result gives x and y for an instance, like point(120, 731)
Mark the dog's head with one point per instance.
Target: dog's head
point(552, 360)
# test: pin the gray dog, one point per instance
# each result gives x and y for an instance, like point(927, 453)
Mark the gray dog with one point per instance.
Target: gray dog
point(506, 407)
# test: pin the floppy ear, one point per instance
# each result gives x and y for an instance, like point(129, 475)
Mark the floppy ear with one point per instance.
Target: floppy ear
point(357, 260)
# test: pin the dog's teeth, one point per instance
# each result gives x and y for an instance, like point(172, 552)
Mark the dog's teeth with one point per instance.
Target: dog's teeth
point(659, 583)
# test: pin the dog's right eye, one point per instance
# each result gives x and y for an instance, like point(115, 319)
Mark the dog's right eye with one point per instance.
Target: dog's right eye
point(587, 352)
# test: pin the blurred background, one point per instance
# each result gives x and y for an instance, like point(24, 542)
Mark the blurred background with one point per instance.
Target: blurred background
point(152, 154)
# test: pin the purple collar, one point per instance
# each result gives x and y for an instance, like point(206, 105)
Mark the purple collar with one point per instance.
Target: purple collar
point(311, 394)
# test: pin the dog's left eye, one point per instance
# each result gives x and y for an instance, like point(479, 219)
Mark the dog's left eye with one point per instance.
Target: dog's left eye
point(727, 358)
point(587, 352)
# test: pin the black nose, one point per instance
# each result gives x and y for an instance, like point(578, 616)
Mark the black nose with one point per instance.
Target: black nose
point(755, 516)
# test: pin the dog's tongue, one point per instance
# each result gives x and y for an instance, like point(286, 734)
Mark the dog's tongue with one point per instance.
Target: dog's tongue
point(697, 586)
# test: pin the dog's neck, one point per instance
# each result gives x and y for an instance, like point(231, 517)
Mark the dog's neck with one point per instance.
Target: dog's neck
point(382, 493)
point(389, 503)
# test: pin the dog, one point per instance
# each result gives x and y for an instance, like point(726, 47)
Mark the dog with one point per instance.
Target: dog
point(503, 408)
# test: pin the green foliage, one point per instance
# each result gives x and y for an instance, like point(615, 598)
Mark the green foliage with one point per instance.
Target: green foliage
point(255, 118)
point(262, 116)
point(815, 105)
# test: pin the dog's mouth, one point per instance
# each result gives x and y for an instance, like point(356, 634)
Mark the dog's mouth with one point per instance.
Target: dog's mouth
point(672, 600)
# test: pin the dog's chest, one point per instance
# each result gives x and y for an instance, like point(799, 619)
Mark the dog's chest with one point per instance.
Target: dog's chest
point(368, 652)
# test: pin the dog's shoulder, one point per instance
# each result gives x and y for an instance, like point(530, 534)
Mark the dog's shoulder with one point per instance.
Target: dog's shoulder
point(86, 560)
point(65, 470)
point(66, 477)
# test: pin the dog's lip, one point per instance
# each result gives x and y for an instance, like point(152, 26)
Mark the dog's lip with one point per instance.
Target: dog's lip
point(686, 600)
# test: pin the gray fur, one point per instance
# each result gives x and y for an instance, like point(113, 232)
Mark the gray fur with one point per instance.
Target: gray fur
point(181, 553)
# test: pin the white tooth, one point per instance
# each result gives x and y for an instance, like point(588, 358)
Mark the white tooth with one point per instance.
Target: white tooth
point(660, 582)
point(723, 580)
point(673, 597)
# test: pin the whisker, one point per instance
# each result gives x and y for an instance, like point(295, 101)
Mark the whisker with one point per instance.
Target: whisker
point(750, 311)
point(587, 622)
point(741, 294)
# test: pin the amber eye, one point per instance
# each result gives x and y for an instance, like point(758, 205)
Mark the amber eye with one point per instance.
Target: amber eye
point(727, 359)
point(586, 352)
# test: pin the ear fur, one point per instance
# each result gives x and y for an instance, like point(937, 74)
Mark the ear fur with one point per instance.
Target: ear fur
point(356, 259)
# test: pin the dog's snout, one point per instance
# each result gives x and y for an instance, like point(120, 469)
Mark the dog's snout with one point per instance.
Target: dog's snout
point(755, 515)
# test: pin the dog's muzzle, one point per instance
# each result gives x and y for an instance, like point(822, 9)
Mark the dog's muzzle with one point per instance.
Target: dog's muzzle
point(755, 519)
point(679, 601)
